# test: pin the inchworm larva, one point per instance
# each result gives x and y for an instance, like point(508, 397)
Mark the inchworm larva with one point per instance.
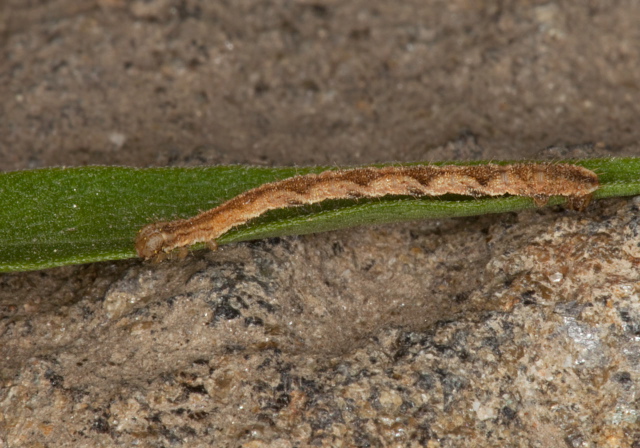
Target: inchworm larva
point(536, 180)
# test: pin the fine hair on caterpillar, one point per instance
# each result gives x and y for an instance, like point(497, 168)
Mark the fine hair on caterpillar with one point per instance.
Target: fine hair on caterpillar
point(536, 180)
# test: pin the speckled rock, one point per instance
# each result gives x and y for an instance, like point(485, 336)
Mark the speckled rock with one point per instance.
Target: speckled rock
point(269, 344)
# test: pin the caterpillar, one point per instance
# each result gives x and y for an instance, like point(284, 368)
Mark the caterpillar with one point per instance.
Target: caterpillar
point(536, 180)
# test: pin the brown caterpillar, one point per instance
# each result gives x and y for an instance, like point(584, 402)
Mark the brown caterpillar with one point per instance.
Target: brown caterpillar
point(536, 180)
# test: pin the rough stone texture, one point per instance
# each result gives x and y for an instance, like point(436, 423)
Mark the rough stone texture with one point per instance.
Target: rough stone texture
point(513, 330)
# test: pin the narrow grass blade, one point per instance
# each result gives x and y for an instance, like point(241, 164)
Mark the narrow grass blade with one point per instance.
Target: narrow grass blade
point(59, 216)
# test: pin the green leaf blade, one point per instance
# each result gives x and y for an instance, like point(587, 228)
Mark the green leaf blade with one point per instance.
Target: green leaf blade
point(59, 216)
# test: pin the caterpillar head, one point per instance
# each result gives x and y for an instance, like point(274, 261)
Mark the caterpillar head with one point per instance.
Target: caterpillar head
point(153, 240)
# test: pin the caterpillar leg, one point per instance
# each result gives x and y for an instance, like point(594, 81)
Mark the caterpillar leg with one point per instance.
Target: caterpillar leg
point(183, 252)
point(212, 245)
point(540, 200)
point(159, 257)
point(579, 203)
